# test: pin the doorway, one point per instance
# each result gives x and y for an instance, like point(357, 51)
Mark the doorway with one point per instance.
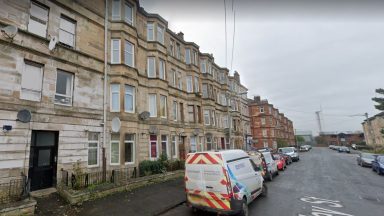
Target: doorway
point(43, 159)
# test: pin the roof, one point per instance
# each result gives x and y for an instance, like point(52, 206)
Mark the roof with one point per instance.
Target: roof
point(227, 154)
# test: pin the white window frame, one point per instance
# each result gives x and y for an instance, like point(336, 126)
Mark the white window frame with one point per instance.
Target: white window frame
point(153, 74)
point(175, 110)
point(174, 146)
point(178, 51)
point(63, 17)
point(193, 142)
point(163, 99)
point(38, 19)
point(71, 89)
point(207, 115)
point(160, 30)
point(132, 142)
point(111, 96)
point(211, 143)
point(188, 56)
point(166, 145)
point(150, 29)
point(116, 3)
point(213, 118)
point(197, 84)
point(189, 84)
point(155, 105)
point(174, 78)
point(262, 121)
point(162, 69)
point(203, 66)
point(97, 149)
point(264, 132)
point(128, 20)
point(113, 49)
point(261, 109)
point(180, 81)
point(110, 151)
point(157, 147)
point(133, 94)
point(25, 91)
point(172, 47)
point(129, 52)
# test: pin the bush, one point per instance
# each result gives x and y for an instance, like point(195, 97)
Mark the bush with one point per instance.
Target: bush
point(148, 167)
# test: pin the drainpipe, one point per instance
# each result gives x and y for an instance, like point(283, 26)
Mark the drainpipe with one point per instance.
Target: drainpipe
point(105, 90)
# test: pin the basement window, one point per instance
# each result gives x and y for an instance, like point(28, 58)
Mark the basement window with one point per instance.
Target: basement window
point(64, 88)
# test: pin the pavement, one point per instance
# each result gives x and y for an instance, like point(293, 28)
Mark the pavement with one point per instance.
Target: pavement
point(150, 200)
point(323, 183)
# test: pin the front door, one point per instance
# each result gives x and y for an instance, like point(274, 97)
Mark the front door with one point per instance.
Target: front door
point(43, 159)
point(222, 143)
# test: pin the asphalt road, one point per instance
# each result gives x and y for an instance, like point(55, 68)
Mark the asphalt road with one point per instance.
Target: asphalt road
point(323, 183)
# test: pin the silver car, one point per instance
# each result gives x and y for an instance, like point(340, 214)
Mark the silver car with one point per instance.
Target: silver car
point(291, 151)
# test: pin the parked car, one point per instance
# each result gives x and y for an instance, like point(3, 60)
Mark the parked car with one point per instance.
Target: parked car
point(303, 148)
point(288, 159)
point(259, 160)
point(224, 182)
point(280, 161)
point(266, 149)
point(378, 164)
point(291, 151)
point(271, 166)
point(331, 146)
point(344, 149)
point(365, 159)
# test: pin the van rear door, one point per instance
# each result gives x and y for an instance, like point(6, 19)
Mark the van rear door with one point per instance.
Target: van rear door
point(206, 181)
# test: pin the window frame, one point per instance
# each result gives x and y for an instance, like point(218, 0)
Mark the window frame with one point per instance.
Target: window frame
point(189, 80)
point(163, 99)
point(191, 113)
point(187, 56)
point(168, 154)
point(207, 113)
point(113, 49)
point(133, 98)
point(111, 97)
point(132, 142)
point(162, 69)
point(150, 145)
point(197, 84)
point(97, 149)
point(155, 105)
point(36, 65)
point(162, 35)
point(114, 3)
point(71, 88)
point(74, 22)
point(37, 19)
point(153, 75)
point(110, 151)
point(130, 22)
point(132, 53)
point(175, 110)
point(174, 146)
point(152, 30)
point(195, 138)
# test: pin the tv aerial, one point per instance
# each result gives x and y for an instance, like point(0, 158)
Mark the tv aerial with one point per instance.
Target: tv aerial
point(9, 31)
point(52, 43)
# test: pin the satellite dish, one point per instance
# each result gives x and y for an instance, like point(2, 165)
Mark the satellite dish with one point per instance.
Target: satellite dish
point(9, 31)
point(24, 116)
point(116, 124)
point(52, 43)
point(153, 129)
point(196, 131)
point(144, 115)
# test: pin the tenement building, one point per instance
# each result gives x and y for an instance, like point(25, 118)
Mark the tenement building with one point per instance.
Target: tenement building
point(106, 90)
point(269, 127)
point(374, 130)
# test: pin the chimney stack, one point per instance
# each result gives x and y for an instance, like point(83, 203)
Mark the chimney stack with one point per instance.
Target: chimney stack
point(181, 35)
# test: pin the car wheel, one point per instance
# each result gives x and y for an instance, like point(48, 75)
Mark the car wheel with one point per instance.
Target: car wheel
point(264, 191)
point(244, 208)
point(270, 176)
point(277, 172)
point(378, 171)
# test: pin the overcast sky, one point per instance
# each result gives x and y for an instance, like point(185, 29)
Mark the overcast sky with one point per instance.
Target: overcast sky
point(302, 56)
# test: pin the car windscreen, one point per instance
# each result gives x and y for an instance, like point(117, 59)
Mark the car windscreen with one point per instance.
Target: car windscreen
point(267, 157)
point(367, 156)
point(286, 150)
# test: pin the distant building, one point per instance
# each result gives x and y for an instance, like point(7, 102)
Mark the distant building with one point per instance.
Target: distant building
point(342, 138)
point(372, 130)
point(268, 126)
point(308, 137)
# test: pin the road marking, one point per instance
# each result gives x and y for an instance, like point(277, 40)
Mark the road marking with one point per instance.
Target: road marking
point(318, 211)
point(315, 200)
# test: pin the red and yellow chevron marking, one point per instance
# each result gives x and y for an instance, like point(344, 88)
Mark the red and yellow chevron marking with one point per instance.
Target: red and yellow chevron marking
point(204, 158)
point(210, 199)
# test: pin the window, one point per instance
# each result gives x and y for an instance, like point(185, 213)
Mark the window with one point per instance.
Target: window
point(206, 117)
point(272, 133)
point(116, 10)
point(153, 146)
point(152, 105)
point(262, 121)
point(160, 34)
point(115, 55)
point(150, 32)
point(163, 106)
point(179, 81)
point(225, 122)
point(174, 147)
point(191, 113)
point(194, 57)
point(128, 13)
point(209, 68)
point(115, 149)
point(209, 143)
point(64, 88)
point(115, 97)
point(182, 112)
point(174, 110)
point(197, 84)
point(93, 149)
point(264, 131)
point(164, 145)
point(67, 31)
point(213, 118)
point(198, 114)
point(265, 143)
point(261, 109)
point(162, 69)
point(203, 66)
point(172, 47)
point(205, 90)
point(178, 51)
point(38, 19)
point(173, 77)
point(151, 70)
point(129, 99)
point(201, 143)
point(129, 144)
point(187, 56)
point(189, 84)
point(193, 144)
point(31, 81)
point(129, 54)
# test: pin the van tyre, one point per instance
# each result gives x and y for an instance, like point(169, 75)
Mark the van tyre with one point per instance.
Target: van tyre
point(270, 176)
point(244, 208)
point(264, 191)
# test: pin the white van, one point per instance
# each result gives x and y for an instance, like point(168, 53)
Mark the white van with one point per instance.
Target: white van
point(224, 182)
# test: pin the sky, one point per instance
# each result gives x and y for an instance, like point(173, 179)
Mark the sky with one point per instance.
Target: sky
point(302, 56)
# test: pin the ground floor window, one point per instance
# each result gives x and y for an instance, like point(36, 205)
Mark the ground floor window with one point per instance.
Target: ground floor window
point(164, 145)
point(193, 147)
point(209, 143)
point(265, 143)
point(115, 149)
point(93, 149)
point(129, 144)
point(201, 142)
point(174, 146)
point(227, 143)
point(153, 146)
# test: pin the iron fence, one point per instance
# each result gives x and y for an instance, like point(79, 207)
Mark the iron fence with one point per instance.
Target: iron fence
point(14, 190)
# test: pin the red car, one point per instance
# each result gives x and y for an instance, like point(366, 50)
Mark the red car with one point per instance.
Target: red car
point(280, 160)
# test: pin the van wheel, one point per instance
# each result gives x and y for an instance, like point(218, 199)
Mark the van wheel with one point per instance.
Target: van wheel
point(270, 176)
point(264, 191)
point(244, 208)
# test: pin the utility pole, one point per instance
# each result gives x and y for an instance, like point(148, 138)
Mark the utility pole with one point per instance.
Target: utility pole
point(319, 121)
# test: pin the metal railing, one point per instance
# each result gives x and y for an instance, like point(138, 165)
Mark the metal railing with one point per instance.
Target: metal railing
point(14, 190)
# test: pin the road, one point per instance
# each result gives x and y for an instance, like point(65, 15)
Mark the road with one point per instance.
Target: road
point(323, 183)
